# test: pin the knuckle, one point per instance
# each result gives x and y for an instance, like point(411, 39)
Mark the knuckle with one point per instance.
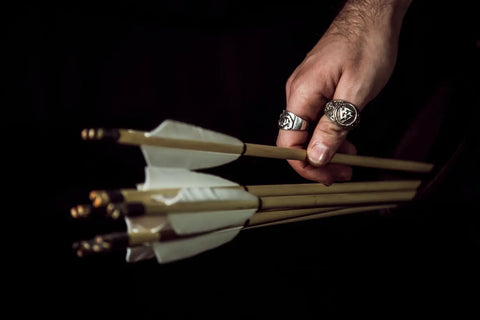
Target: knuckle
point(297, 85)
point(288, 84)
point(330, 129)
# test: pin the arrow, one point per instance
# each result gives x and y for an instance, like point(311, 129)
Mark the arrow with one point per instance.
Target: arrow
point(104, 197)
point(165, 245)
point(204, 211)
point(186, 202)
point(177, 144)
point(214, 196)
point(199, 211)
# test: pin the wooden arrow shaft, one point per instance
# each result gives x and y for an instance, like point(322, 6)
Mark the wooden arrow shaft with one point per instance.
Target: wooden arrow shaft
point(121, 240)
point(336, 199)
point(309, 214)
point(153, 207)
point(135, 137)
point(265, 151)
point(103, 197)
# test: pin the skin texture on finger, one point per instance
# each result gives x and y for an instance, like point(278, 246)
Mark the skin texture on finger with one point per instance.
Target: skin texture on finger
point(326, 140)
point(303, 97)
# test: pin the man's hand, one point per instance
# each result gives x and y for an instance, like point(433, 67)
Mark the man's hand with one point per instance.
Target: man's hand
point(352, 61)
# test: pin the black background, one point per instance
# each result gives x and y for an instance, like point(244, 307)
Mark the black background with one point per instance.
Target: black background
point(223, 65)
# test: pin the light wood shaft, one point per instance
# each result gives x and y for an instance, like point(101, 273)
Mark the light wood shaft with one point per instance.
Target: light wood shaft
point(283, 217)
point(134, 137)
point(335, 199)
point(268, 216)
point(136, 238)
point(321, 214)
point(341, 187)
point(282, 202)
point(382, 163)
point(339, 158)
point(133, 195)
point(264, 151)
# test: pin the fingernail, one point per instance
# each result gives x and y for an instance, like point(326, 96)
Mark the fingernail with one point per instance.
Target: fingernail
point(318, 154)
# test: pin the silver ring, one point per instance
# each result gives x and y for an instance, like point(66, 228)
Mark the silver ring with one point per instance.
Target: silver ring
point(290, 121)
point(343, 114)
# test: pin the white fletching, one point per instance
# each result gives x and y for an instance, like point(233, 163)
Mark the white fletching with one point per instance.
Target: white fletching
point(195, 222)
point(190, 159)
point(185, 248)
point(144, 223)
point(135, 254)
point(158, 178)
point(195, 187)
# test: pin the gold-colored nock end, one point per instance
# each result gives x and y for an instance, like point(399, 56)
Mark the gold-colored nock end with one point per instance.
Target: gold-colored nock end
point(80, 211)
point(86, 210)
point(92, 195)
point(84, 134)
point(82, 248)
point(92, 134)
point(74, 212)
point(115, 210)
point(99, 198)
point(87, 247)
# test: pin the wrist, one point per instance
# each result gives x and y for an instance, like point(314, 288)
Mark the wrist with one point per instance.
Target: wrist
point(366, 16)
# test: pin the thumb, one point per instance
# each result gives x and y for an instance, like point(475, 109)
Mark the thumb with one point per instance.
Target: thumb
point(325, 141)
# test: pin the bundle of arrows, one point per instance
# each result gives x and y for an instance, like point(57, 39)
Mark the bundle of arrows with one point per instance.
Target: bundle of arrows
point(177, 212)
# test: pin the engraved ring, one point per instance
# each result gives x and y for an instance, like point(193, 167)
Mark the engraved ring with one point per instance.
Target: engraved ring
point(343, 114)
point(290, 121)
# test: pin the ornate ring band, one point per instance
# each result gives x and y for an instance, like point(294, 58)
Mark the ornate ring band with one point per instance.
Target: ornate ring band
point(343, 114)
point(290, 121)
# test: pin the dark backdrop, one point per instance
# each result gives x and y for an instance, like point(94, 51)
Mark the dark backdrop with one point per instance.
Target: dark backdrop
point(223, 65)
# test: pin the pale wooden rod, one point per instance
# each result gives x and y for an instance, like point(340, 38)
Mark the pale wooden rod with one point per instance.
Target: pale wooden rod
point(322, 214)
point(336, 199)
point(103, 197)
point(135, 137)
point(339, 158)
point(107, 242)
point(267, 216)
point(153, 207)
point(340, 187)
